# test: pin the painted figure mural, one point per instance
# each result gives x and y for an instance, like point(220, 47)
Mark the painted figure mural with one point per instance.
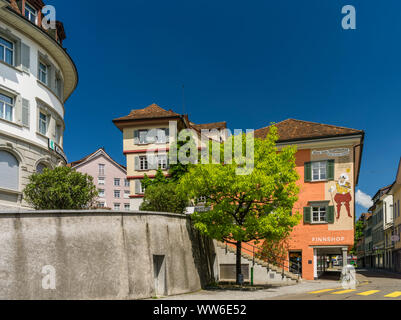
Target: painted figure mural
point(343, 194)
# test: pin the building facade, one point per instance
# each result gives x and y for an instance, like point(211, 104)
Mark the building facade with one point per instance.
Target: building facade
point(396, 193)
point(147, 136)
point(328, 161)
point(109, 177)
point(37, 76)
point(382, 224)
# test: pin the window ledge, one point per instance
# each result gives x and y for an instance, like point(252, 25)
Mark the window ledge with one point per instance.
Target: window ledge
point(12, 123)
point(9, 191)
point(51, 90)
point(11, 66)
point(42, 135)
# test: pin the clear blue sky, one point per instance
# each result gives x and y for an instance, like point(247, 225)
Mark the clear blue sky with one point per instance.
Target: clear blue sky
point(247, 63)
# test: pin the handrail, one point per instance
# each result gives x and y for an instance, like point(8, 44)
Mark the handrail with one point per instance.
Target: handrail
point(279, 261)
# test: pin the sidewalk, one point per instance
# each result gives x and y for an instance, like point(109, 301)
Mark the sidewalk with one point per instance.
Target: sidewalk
point(305, 286)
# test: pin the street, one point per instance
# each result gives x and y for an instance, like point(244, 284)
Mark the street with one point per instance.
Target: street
point(372, 285)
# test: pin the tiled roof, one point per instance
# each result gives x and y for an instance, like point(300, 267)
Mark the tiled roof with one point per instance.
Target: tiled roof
point(151, 112)
point(210, 126)
point(78, 162)
point(295, 130)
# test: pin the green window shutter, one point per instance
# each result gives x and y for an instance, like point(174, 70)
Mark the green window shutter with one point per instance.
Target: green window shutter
point(136, 163)
point(330, 214)
point(308, 171)
point(307, 215)
point(25, 57)
point(330, 170)
point(25, 113)
point(136, 137)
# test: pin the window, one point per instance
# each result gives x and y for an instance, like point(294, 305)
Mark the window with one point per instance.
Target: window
point(6, 51)
point(101, 204)
point(9, 171)
point(126, 194)
point(162, 162)
point(117, 194)
point(30, 13)
point(319, 171)
point(143, 163)
point(6, 107)
point(101, 169)
point(116, 182)
point(126, 183)
point(143, 134)
point(40, 167)
point(43, 73)
point(101, 193)
point(101, 181)
point(42, 123)
point(116, 206)
point(127, 207)
point(319, 214)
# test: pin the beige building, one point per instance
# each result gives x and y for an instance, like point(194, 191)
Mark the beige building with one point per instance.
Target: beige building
point(148, 135)
point(396, 193)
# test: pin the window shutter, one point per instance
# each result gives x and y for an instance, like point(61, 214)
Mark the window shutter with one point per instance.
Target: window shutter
point(18, 110)
point(136, 137)
point(25, 57)
point(152, 163)
point(330, 214)
point(136, 163)
point(330, 170)
point(26, 113)
point(308, 171)
point(167, 131)
point(137, 186)
point(51, 81)
point(307, 215)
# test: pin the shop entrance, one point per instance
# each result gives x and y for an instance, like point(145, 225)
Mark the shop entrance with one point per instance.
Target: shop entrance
point(328, 262)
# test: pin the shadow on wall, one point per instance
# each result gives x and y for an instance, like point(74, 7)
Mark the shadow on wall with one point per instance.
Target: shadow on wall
point(101, 255)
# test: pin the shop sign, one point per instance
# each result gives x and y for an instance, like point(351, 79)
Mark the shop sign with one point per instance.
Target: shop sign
point(395, 238)
point(333, 152)
point(328, 239)
point(53, 146)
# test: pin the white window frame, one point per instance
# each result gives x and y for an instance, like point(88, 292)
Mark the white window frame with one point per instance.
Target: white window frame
point(4, 48)
point(101, 204)
point(117, 194)
point(32, 12)
point(43, 73)
point(117, 182)
point(143, 140)
point(101, 168)
point(162, 162)
point(322, 211)
point(117, 206)
point(127, 183)
point(127, 207)
point(4, 105)
point(102, 193)
point(43, 123)
point(127, 194)
point(142, 189)
point(143, 163)
point(321, 168)
point(101, 181)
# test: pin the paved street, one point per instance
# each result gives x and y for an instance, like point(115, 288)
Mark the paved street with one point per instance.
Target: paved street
point(372, 286)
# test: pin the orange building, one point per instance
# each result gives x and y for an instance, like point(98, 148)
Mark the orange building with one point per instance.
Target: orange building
point(328, 161)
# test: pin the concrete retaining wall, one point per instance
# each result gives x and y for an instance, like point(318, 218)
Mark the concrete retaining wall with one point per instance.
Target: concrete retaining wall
point(101, 255)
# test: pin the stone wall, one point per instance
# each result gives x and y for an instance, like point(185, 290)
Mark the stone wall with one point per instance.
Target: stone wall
point(101, 255)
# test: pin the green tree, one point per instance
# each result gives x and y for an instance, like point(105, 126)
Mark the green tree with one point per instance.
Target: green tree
point(164, 197)
point(245, 208)
point(358, 234)
point(60, 189)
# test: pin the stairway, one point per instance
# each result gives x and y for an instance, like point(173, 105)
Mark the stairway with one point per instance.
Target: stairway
point(264, 272)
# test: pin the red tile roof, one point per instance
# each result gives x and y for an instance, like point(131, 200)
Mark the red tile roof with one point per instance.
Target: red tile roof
point(150, 112)
point(296, 130)
point(209, 126)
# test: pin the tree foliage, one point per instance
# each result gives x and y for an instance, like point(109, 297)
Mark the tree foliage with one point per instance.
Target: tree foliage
point(247, 207)
point(60, 189)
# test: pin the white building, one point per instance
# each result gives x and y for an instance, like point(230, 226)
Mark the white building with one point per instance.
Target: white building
point(37, 76)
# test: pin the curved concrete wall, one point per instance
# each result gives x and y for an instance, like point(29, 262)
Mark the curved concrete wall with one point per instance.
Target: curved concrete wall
point(100, 255)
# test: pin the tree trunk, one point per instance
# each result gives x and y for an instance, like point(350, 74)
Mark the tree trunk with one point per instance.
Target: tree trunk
point(238, 263)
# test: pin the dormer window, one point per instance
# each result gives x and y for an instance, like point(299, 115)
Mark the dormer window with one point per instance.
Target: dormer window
point(30, 13)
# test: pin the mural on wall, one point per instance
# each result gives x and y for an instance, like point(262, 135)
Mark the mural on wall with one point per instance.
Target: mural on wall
point(342, 191)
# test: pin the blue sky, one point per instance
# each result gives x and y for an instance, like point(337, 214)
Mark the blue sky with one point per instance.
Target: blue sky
point(247, 63)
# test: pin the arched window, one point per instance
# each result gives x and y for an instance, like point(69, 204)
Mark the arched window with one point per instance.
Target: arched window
point(40, 167)
point(9, 171)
